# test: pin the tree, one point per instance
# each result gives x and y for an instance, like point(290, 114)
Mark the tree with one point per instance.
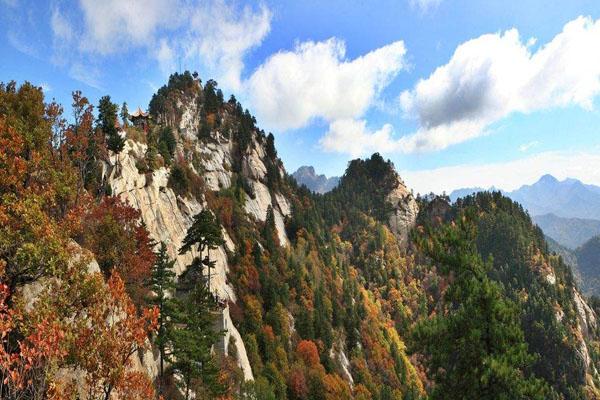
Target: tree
point(192, 336)
point(124, 114)
point(113, 230)
point(474, 346)
point(162, 283)
point(205, 234)
point(106, 122)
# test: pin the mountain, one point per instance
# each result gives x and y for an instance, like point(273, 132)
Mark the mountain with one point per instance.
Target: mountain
point(464, 192)
point(306, 176)
point(363, 292)
point(569, 232)
point(569, 198)
point(568, 211)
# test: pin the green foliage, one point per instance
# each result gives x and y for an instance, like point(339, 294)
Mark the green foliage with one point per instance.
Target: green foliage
point(163, 105)
point(204, 235)
point(162, 286)
point(166, 144)
point(474, 346)
point(106, 121)
point(192, 335)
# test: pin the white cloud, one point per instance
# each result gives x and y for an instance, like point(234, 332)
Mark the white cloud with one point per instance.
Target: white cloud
point(60, 26)
point(220, 36)
point(527, 146)
point(497, 74)
point(315, 80)
point(425, 5)
point(112, 26)
point(210, 36)
point(508, 175)
point(354, 138)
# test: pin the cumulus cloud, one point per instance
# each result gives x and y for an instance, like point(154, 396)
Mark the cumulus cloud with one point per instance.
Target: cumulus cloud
point(212, 36)
point(494, 75)
point(316, 80)
point(113, 26)
point(221, 36)
point(508, 175)
point(354, 138)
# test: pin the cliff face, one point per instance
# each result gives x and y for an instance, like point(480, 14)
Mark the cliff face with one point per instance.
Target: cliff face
point(167, 217)
point(404, 214)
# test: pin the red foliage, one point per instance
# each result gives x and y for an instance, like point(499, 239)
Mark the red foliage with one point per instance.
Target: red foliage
point(114, 233)
point(297, 384)
point(308, 352)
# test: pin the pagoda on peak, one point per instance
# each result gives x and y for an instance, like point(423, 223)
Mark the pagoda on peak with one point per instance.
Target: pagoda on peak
point(140, 118)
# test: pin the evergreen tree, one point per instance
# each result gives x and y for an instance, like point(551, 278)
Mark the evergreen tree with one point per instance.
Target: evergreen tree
point(106, 121)
point(162, 282)
point(124, 114)
point(474, 347)
point(192, 337)
point(205, 234)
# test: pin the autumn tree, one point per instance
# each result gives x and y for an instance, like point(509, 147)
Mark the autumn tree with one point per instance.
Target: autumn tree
point(114, 232)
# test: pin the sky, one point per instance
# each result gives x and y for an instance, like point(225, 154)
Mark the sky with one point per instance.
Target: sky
point(457, 93)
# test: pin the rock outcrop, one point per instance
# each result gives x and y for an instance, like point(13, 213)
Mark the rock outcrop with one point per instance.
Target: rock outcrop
point(404, 213)
point(167, 218)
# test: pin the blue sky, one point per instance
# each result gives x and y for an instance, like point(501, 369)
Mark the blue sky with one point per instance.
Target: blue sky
point(456, 93)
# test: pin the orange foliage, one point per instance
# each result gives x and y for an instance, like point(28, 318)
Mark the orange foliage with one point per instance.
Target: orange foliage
point(105, 345)
point(113, 232)
point(307, 351)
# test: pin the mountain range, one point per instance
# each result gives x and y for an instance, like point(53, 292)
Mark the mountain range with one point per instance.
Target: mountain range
point(258, 288)
point(568, 211)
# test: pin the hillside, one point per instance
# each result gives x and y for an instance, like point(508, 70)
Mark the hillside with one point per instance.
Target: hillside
point(588, 264)
point(569, 232)
point(175, 255)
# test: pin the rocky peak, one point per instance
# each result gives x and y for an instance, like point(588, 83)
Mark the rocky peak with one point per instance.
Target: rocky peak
point(307, 176)
point(404, 212)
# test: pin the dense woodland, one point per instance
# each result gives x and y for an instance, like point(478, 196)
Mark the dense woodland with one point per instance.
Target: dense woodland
point(465, 311)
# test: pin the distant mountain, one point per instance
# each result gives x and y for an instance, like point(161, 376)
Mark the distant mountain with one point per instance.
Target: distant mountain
point(569, 232)
point(567, 211)
point(569, 198)
point(306, 175)
point(458, 193)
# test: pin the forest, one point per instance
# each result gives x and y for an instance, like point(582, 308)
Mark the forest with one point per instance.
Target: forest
point(475, 305)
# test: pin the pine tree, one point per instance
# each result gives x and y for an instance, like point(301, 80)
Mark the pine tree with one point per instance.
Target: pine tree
point(205, 234)
point(162, 283)
point(106, 121)
point(474, 347)
point(192, 337)
point(124, 114)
